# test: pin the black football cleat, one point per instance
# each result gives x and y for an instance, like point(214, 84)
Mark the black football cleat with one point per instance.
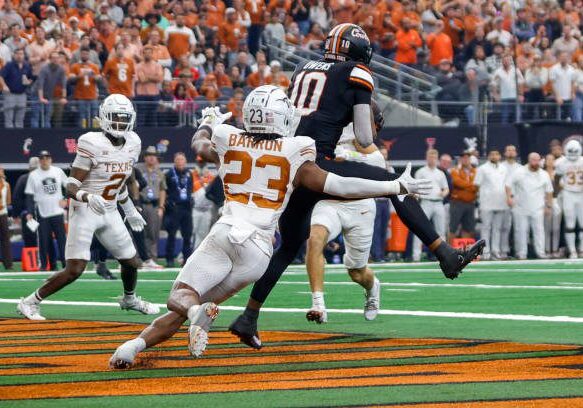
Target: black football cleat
point(246, 329)
point(105, 273)
point(454, 263)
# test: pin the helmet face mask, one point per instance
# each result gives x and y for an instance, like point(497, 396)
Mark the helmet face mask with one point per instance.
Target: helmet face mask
point(348, 42)
point(117, 115)
point(573, 150)
point(268, 110)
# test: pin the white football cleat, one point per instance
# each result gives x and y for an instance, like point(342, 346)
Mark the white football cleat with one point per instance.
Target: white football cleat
point(123, 357)
point(29, 310)
point(573, 255)
point(372, 303)
point(317, 314)
point(136, 303)
point(151, 264)
point(199, 328)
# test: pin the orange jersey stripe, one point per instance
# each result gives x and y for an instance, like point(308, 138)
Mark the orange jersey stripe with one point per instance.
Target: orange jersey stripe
point(362, 82)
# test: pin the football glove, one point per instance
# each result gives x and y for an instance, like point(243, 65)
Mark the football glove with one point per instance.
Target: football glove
point(97, 203)
point(212, 117)
point(414, 186)
point(135, 220)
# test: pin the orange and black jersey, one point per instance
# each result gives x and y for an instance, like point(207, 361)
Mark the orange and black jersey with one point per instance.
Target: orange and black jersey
point(325, 94)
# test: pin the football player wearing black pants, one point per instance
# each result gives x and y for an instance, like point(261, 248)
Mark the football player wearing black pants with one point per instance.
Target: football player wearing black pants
point(330, 94)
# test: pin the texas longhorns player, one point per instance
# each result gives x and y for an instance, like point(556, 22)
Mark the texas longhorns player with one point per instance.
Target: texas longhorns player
point(260, 167)
point(97, 183)
point(569, 171)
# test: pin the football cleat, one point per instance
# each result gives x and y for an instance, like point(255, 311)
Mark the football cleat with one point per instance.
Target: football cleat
point(102, 270)
point(246, 329)
point(29, 310)
point(317, 314)
point(458, 259)
point(136, 303)
point(123, 357)
point(199, 328)
point(372, 303)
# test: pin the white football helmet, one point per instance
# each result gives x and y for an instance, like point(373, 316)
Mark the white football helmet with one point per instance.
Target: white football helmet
point(573, 150)
point(117, 115)
point(267, 109)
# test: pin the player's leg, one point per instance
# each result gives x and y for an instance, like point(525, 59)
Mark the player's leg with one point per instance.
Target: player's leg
point(325, 225)
point(570, 218)
point(82, 224)
point(359, 225)
point(115, 237)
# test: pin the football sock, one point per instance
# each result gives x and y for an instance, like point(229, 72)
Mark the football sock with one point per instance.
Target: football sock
point(251, 313)
point(129, 277)
point(444, 250)
point(318, 300)
point(33, 298)
point(192, 311)
point(139, 344)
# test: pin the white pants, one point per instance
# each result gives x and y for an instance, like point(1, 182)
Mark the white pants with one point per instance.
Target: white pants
point(355, 220)
point(523, 224)
point(435, 211)
point(491, 230)
point(201, 225)
point(505, 232)
point(109, 229)
point(573, 213)
point(223, 264)
point(553, 228)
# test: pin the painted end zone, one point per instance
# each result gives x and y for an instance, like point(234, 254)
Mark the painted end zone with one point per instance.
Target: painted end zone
point(66, 359)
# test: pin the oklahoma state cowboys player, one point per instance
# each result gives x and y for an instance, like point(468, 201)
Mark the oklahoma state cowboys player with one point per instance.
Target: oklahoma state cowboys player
point(101, 168)
point(260, 167)
point(331, 93)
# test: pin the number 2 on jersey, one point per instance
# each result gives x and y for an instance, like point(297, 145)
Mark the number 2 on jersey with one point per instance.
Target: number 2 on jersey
point(280, 184)
point(307, 91)
point(110, 191)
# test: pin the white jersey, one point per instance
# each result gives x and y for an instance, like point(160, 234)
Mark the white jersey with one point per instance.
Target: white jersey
point(109, 166)
point(46, 186)
point(258, 178)
point(571, 172)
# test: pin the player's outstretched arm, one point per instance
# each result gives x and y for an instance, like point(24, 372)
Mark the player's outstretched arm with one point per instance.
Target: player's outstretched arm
point(201, 141)
point(311, 176)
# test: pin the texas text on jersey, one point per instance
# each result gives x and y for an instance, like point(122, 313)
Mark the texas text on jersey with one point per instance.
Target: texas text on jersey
point(325, 94)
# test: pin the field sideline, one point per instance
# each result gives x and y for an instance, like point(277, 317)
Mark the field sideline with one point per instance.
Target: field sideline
point(504, 334)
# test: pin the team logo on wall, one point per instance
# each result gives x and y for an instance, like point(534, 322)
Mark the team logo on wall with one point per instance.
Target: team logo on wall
point(26, 146)
point(430, 142)
point(471, 143)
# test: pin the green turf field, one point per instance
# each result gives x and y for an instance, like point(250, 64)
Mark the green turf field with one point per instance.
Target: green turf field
point(505, 333)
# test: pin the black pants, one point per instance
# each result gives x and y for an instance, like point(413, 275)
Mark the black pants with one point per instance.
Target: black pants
point(178, 218)
point(294, 224)
point(5, 242)
point(28, 236)
point(49, 226)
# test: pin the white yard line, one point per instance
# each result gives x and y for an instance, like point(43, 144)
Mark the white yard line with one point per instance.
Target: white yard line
point(388, 312)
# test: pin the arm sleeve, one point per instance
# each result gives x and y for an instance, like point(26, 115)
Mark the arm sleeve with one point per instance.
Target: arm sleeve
point(85, 158)
point(363, 124)
point(352, 187)
point(220, 137)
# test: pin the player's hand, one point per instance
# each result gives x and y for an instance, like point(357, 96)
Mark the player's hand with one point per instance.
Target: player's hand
point(96, 203)
point(414, 186)
point(345, 154)
point(136, 221)
point(212, 117)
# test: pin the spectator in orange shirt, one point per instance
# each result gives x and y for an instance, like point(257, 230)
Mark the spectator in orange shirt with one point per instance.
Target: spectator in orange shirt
point(107, 32)
point(440, 45)
point(256, 10)
point(183, 65)
point(343, 10)
point(85, 76)
point(408, 41)
point(472, 21)
point(453, 25)
point(119, 72)
point(259, 78)
point(185, 78)
point(223, 80)
point(463, 198)
point(152, 19)
point(149, 76)
point(210, 88)
point(278, 77)
point(179, 38)
point(231, 32)
point(160, 51)
point(215, 10)
point(84, 15)
point(235, 106)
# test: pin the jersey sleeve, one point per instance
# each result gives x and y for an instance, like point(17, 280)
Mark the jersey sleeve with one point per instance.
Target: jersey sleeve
point(361, 77)
point(86, 153)
point(220, 138)
point(304, 150)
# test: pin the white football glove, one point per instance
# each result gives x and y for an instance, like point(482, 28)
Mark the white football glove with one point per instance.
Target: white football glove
point(212, 117)
point(97, 203)
point(135, 220)
point(346, 154)
point(414, 186)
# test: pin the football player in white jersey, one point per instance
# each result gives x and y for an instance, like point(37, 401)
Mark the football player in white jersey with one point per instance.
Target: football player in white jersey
point(569, 171)
point(97, 183)
point(355, 220)
point(260, 167)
